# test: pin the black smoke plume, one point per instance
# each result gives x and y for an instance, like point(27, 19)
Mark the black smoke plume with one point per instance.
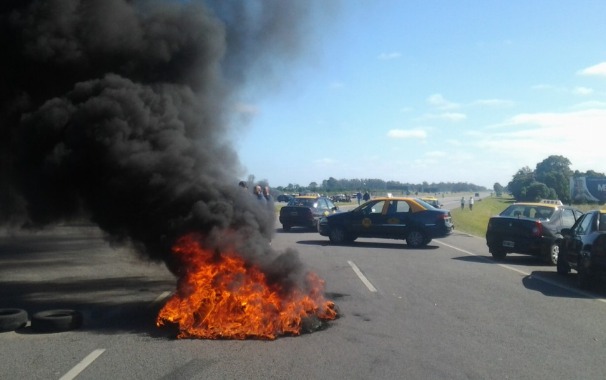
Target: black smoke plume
point(119, 111)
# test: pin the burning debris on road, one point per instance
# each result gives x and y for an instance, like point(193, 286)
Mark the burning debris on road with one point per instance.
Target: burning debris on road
point(221, 297)
point(120, 112)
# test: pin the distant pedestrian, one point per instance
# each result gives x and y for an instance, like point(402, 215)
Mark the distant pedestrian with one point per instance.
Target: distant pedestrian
point(258, 192)
point(267, 194)
point(359, 196)
point(462, 203)
point(366, 197)
point(470, 203)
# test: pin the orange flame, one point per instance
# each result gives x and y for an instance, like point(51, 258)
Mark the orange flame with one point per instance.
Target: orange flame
point(221, 297)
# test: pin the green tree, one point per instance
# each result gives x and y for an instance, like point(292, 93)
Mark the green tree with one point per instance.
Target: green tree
point(537, 191)
point(498, 189)
point(555, 172)
point(520, 182)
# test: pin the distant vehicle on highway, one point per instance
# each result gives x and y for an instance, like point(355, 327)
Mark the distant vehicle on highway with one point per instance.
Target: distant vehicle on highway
point(583, 248)
point(433, 201)
point(305, 211)
point(284, 198)
point(409, 219)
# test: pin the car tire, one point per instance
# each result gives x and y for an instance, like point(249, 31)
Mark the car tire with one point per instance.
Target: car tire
point(551, 256)
point(562, 267)
point(56, 320)
point(584, 277)
point(286, 227)
point(498, 254)
point(415, 239)
point(337, 235)
point(12, 319)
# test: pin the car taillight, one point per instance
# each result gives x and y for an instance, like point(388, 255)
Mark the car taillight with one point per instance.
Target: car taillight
point(537, 230)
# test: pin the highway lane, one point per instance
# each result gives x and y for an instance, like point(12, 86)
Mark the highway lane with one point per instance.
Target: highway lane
point(446, 311)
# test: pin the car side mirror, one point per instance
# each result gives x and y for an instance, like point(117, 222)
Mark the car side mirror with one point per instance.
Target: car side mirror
point(566, 231)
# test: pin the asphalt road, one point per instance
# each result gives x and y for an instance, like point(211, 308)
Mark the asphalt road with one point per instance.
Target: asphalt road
point(447, 311)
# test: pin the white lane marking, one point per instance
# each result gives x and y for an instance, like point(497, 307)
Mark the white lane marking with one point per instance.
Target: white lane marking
point(160, 298)
point(361, 276)
point(540, 278)
point(83, 364)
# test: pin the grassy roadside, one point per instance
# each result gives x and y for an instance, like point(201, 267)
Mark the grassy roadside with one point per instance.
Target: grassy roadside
point(474, 221)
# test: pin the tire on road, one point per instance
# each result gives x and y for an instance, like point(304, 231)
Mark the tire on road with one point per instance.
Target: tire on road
point(562, 267)
point(497, 253)
point(56, 320)
point(12, 319)
point(584, 276)
point(337, 235)
point(416, 239)
point(552, 254)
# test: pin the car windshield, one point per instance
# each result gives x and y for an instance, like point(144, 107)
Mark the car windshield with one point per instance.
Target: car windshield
point(425, 203)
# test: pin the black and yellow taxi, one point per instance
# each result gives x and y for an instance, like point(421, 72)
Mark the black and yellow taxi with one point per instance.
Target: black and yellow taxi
point(432, 201)
point(409, 219)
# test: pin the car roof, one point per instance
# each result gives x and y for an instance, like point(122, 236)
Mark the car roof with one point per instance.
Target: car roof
point(396, 198)
point(545, 203)
point(307, 197)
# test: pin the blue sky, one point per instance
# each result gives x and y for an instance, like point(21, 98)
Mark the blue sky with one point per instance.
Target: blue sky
point(453, 91)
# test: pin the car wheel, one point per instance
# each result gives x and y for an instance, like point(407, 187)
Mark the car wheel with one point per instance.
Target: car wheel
point(584, 276)
point(563, 267)
point(551, 257)
point(498, 254)
point(56, 320)
point(337, 235)
point(286, 227)
point(415, 239)
point(12, 319)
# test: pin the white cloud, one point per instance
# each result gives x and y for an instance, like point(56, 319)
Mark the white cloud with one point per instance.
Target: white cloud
point(449, 116)
point(493, 103)
point(583, 91)
point(436, 154)
point(590, 104)
point(529, 138)
point(389, 56)
point(599, 70)
point(407, 134)
point(439, 101)
point(325, 161)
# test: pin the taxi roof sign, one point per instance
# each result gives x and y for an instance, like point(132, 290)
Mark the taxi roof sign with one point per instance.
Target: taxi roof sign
point(552, 202)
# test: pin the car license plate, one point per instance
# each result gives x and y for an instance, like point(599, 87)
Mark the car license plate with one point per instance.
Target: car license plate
point(508, 243)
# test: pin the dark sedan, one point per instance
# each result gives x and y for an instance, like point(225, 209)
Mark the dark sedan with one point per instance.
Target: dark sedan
point(583, 248)
point(305, 211)
point(409, 219)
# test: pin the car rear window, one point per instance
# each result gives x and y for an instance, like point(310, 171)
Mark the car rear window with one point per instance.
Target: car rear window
point(302, 202)
point(528, 211)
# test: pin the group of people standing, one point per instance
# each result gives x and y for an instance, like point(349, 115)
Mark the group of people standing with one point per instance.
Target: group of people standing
point(470, 203)
point(366, 197)
point(262, 193)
